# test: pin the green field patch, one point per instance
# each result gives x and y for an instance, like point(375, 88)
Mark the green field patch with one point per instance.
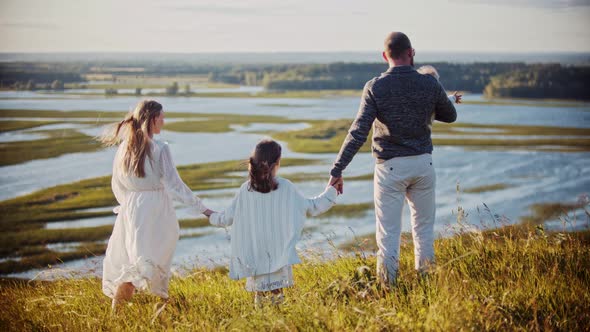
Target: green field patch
point(365, 177)
point(46, 257)
point(530, 103)
point(327, 137)
point(11, 241)
point(97, 115)
point(368, 243)
point(485, 188)
point(20, 125)
point(322, 137)
point(508, 130)
point(568, 144)
point(542, 212)
point(218, 123)
point(59, 142)
point(193, 122)
point(194, 223)
point(24, 113)
point(347, 210)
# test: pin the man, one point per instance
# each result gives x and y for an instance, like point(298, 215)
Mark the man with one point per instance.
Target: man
point(399, 104)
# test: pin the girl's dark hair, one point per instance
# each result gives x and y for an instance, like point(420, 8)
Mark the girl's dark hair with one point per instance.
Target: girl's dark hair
point(262, 161)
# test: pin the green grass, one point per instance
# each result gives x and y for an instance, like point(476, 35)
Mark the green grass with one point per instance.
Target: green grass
point(194, 223)
point(368, 243)
point(543, 212)
point(20, 125)
point(322, 137)
point(508, 130)
point(45, 257)
point(364, 177)
point(347, 210)
point(485, 188)
point(59, 142)
point(328, 136)
point(496, 282)
point(523, 102)
point(218, 123)
point(98, 115)
point(24, 113)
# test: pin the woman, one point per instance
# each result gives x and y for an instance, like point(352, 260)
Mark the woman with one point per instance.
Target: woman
point(144, 182)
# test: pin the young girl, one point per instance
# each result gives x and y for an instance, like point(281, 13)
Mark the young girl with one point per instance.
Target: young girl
point(267, 215)
point(430, 70)
point(144, 182)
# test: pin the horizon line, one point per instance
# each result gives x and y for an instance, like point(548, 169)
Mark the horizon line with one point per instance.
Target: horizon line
point(283, 52)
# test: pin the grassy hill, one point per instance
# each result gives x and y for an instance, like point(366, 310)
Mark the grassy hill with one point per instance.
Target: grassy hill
point(513, 278)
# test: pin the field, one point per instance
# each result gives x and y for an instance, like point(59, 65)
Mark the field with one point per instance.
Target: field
point(513, 278)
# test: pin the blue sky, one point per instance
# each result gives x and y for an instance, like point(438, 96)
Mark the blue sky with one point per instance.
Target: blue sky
point(292, 25)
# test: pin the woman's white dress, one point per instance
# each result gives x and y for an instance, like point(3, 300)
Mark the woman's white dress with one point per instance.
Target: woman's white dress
point(265, 230)
point(146, 230)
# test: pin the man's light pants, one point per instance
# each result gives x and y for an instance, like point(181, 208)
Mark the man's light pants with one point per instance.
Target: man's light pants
point(395, 180)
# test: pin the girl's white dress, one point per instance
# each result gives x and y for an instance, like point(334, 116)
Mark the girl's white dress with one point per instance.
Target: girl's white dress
point(266, 228)
point(144, 237)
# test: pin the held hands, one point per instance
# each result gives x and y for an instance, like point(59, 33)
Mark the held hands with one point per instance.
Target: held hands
point(457, 97)
point(337, 183)
point(208, 213)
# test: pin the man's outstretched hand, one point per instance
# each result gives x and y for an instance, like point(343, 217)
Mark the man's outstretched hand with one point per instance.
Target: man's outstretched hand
point(337, 183)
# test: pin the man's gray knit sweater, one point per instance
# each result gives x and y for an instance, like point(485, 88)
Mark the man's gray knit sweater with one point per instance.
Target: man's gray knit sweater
point(400, 103)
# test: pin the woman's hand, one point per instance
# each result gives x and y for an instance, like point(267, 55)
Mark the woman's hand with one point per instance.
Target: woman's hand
point(457, 97)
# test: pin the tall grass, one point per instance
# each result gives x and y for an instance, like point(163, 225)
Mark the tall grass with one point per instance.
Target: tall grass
point(515, 278)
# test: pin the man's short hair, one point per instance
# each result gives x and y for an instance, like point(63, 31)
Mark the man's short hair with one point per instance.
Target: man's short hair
point(396, 44)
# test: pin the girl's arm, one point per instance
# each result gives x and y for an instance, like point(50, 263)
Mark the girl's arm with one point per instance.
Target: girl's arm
point(322, 203)
point(174, 184)
point(224, 218)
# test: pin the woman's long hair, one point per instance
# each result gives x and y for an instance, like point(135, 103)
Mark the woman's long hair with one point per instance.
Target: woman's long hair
point(265, 157)
point(135, 129)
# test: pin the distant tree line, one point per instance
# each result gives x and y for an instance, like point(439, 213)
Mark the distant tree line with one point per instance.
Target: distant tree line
point(30, 76)
point(542, 81)
point(464, 77)
point(493, 79)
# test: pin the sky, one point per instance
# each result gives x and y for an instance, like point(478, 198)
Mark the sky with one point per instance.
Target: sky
point(181, 26)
